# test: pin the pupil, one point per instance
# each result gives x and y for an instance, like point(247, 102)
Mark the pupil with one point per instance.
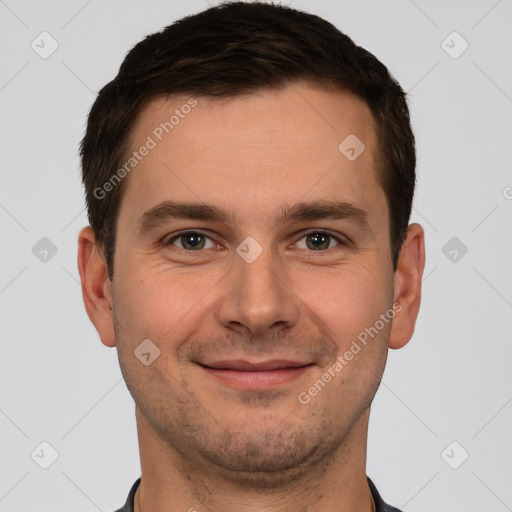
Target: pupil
point(318, 240)
point(193, 240)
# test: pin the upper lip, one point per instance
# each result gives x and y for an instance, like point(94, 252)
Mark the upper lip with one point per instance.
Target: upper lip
point(241, 365)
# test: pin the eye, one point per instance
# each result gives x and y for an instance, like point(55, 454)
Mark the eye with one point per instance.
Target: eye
point(319, 241)
point(191, 241)
point(195, 241)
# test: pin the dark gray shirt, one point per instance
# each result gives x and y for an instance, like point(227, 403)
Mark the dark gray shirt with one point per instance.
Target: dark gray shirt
point(380, 506)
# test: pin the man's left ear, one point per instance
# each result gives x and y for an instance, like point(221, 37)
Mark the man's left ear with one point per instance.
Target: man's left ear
point(407, 286)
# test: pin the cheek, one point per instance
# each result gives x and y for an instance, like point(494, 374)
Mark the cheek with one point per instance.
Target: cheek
point(347, 299)
point(160, 303)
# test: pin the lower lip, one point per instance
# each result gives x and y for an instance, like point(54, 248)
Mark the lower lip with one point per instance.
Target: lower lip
point(258, 380)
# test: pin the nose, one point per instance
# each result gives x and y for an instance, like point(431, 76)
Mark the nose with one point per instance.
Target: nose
point(257, 296)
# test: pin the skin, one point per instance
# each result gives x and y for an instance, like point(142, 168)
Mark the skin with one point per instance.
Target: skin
point(205, 444)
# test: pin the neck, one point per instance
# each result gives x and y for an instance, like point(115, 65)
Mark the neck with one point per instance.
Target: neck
point(336, 483)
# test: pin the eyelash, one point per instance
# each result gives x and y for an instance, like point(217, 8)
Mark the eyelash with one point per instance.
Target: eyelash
point(168, 242)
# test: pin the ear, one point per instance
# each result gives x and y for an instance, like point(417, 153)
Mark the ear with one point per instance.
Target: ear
point(96, 286)
point(407, 286)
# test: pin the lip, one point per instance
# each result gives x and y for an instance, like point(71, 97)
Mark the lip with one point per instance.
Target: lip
point(243, 365)
point(256, 375)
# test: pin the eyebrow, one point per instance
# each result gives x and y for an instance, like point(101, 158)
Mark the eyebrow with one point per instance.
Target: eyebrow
point(315, 210)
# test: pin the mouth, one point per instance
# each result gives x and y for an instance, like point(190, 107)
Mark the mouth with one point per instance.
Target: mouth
point(256, 375)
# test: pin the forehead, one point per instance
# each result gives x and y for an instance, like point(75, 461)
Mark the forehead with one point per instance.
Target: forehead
point(255, 152)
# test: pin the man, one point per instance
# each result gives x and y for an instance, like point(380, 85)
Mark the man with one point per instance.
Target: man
point(249, 177)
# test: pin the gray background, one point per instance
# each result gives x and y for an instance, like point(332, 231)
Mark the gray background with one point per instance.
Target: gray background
point(453, 382)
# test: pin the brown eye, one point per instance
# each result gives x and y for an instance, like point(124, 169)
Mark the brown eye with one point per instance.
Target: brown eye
point(318, 241)
point(191, 241)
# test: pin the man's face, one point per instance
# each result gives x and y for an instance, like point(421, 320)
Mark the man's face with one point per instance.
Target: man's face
point(219, 311)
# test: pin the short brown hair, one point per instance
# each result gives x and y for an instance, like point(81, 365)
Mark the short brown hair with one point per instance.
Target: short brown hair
point(238, 48)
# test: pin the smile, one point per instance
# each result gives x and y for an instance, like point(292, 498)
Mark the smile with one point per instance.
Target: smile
point(263, 375)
